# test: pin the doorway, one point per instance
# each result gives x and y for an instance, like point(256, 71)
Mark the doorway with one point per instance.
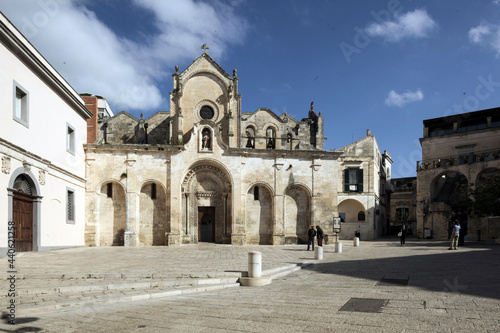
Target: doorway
point(22, 212)
point(206, 224)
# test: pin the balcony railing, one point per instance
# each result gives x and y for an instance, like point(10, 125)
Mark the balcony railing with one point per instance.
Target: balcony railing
point(455, 160)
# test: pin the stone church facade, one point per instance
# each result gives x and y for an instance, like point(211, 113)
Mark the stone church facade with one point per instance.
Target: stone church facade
point(206, 172)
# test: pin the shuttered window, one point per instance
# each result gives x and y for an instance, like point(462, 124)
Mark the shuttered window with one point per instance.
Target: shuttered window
point(353, 180)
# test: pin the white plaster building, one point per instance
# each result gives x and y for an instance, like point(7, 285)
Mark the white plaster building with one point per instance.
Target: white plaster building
point(42, 131)
point(363, 194)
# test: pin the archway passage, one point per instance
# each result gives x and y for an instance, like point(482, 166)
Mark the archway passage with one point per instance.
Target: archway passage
point(22, 209)
point(206, 224)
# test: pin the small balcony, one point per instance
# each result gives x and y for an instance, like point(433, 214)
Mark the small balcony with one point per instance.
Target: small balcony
point(455, 160)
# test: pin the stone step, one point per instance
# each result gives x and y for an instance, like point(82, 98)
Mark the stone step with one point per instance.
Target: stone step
point(38, 305)
point(71, 286)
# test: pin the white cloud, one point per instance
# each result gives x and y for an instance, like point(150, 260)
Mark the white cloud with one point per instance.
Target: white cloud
point(93, 58)
point(487, 35)
point(395, 99)
point(476, 34)
point(415, 24)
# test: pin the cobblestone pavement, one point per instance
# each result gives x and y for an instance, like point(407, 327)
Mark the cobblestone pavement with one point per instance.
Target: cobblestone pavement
point(376, 287)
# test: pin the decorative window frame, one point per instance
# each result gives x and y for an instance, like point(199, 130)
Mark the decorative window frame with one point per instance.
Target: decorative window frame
point(24, 117)
point(197, 110)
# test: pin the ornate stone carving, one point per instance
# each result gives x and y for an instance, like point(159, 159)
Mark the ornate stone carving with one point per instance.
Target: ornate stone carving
point(205, 194)
point(41, 177)
point(6, 164)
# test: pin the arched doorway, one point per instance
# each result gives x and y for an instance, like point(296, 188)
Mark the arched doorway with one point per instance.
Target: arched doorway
point(297, 214)
point(206, 204)
point(22, 213)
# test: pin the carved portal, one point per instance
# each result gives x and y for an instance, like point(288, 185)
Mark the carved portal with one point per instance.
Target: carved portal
point(206, 205)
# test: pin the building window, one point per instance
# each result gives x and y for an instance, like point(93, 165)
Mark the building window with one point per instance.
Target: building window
point(110, 190)
point(70, 139)
point(342, 217)
point(270, 138)
point(256, 193)
point(153, 191)
point(250, 135)
point(70, 206)
point(402, 214)
point(21, 105)
point(361, 216)
point(207, 112)
point(353, 180)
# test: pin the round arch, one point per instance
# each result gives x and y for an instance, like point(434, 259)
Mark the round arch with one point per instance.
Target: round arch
point(259, 214)
point(207, 197)
point(350, 209)
point(111, 205)
point(25, 208)
point(297, 207)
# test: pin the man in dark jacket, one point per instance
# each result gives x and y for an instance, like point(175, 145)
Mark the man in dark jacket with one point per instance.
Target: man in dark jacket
point(319, 233)
point(311, 233)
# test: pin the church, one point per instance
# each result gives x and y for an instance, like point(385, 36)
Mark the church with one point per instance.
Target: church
point(76, 174)
point(208, 172)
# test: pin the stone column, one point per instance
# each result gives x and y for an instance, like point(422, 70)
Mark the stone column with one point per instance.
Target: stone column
point(279, 204)
point(131, 199)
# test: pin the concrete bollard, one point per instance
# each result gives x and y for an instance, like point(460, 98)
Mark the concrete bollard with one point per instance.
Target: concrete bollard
point(254, 264)
point(356, 241)
point(254, 278)
point(338, 247)
point(318, 253)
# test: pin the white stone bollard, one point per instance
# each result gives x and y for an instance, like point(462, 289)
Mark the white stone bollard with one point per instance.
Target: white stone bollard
point(318, 253)
point(356, 241)
point(254, 264)
point(338, 247)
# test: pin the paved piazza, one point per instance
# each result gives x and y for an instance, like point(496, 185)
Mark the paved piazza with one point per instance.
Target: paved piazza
point(376, 287)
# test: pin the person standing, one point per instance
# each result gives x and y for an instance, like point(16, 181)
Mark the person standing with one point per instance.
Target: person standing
point(311, 233)
point(319, 233)
point(404, 232)
point(455, 232)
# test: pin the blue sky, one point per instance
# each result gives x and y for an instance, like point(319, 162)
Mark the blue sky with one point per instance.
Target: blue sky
point(379, 65)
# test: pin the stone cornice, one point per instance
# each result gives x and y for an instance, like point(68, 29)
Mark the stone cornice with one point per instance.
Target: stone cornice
point(27, 53)
point(38, 159)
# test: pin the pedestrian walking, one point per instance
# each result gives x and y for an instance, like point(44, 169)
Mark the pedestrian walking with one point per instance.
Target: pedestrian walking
point(402, 235)
point(311, 233)
point(455, 232)
point(319, 235)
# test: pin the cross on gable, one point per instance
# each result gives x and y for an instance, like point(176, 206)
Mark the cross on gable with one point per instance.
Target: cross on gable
point(205, 48)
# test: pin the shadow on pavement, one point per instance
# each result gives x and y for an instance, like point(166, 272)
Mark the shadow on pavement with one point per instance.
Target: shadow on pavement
point(473, 272)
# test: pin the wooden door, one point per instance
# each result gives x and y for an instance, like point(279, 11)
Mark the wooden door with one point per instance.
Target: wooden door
point(22, 210)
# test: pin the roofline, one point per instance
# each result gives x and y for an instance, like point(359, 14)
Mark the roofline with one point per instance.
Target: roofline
point(19, 45)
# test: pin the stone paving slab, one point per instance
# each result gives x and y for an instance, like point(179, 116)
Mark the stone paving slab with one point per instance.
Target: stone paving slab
point(447, 291)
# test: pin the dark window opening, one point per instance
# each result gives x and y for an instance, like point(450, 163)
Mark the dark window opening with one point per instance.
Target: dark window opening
point(110, 190)
point(153, 191)
point(206, 112)
point(256, 193)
